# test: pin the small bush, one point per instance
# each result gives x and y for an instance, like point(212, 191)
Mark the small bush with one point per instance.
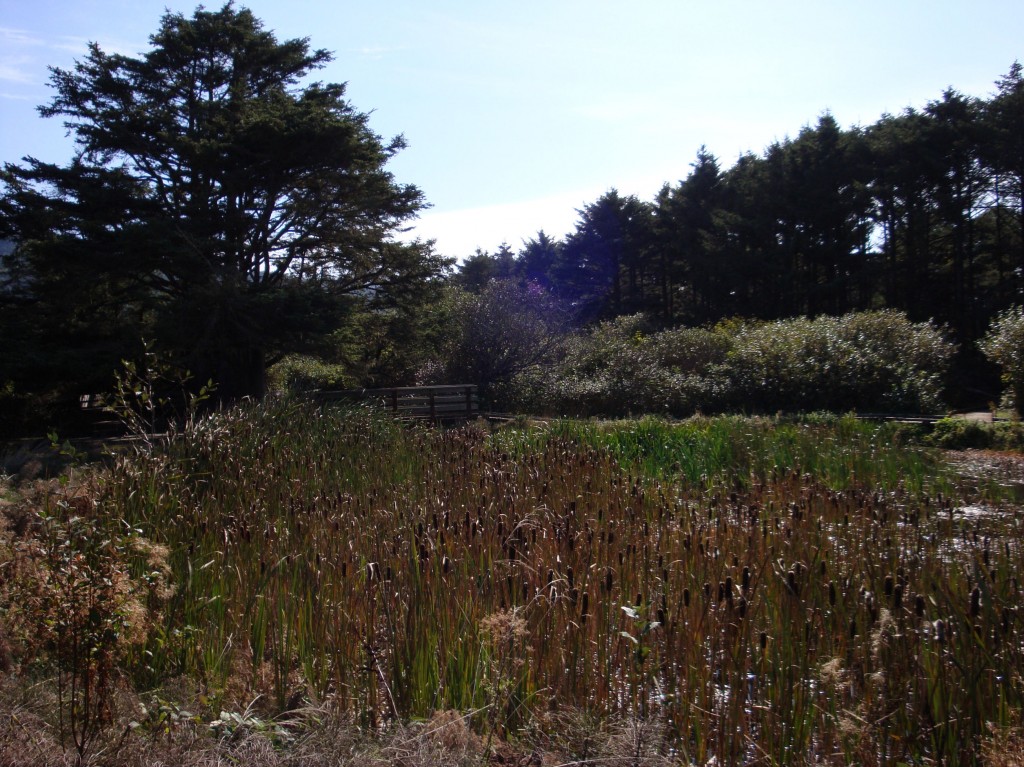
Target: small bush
point(961, 434)
point(297, 373)
point(1004, 345)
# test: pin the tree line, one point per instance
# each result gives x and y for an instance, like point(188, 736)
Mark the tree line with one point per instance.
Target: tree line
point(921, 211)
point(222, 209)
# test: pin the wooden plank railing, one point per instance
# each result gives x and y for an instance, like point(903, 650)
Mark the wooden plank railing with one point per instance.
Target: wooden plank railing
point(436, 403)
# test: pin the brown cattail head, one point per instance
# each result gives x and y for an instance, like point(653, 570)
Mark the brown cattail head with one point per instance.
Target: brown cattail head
point(975, 602)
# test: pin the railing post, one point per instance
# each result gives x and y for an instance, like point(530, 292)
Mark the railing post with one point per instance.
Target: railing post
point(394, 400)
point(433, 412)
point(469, 401)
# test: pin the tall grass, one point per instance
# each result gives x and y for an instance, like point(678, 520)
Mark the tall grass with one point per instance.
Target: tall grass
point(841, 452)
point(772, 592)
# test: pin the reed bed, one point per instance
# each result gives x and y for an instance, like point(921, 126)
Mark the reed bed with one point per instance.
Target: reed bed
point(768, 592)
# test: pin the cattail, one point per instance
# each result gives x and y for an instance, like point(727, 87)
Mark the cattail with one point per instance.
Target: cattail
point(686, 597)
point(746, 578)
point(584, 611)
point(831, 594)
point(888, 585)
point(940, 631)
point(853, 627)
point(897, 596)
point(975, 602)
point(763, 639)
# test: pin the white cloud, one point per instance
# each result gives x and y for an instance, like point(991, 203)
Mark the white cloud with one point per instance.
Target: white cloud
point(376, 51)
point(11, 36)
point(13, 70)
point(80, 45)
point(460, 232)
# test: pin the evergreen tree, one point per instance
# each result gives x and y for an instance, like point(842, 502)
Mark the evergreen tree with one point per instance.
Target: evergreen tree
point(537, 259)
point(214, 201)
point(608, 248)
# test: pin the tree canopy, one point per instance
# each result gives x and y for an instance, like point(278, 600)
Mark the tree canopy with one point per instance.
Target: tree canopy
point(216, 201)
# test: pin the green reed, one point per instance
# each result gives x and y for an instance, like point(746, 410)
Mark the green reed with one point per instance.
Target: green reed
point(770, 590)
point(840, 451)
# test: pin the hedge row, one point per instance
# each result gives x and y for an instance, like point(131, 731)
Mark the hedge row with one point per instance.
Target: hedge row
point(868, 361)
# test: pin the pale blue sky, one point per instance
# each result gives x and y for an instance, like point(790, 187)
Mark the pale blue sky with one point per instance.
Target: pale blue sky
point(517, 114)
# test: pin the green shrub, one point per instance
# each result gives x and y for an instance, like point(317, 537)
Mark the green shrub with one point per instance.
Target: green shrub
point(862, 361)
point(299, 373)
point(871, 361)
point(962, 434)
point(1004, 345)
point(622, 367)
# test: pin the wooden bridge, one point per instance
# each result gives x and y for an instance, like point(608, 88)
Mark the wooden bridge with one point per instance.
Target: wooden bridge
point(434, 403)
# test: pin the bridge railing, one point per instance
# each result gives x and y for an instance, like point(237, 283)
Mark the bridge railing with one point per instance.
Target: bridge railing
point(435, 403)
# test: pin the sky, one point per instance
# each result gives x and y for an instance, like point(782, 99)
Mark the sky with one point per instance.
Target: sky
point(519, 114)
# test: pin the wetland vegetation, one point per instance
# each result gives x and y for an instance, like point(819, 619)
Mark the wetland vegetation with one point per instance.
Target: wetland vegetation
point(717, 590)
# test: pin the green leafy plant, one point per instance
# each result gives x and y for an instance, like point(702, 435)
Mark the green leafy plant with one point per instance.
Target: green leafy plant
point(152, 394)
point(1004, 345)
